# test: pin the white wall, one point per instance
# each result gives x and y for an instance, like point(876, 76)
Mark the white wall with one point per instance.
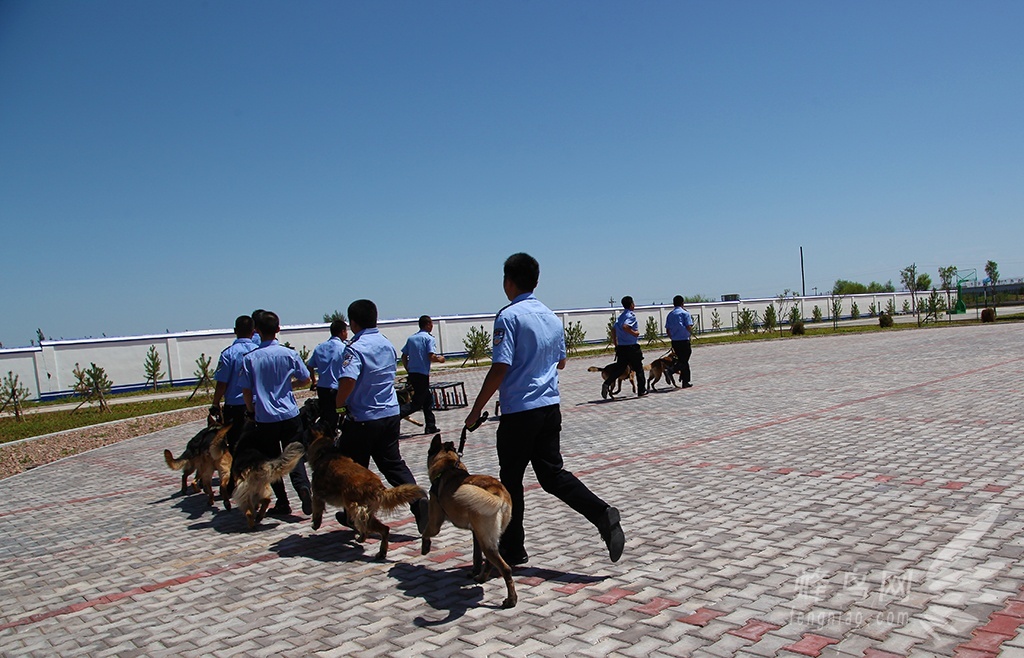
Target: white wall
point(46, 370)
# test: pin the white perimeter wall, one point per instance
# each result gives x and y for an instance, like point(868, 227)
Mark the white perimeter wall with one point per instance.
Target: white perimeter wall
point(46, 370)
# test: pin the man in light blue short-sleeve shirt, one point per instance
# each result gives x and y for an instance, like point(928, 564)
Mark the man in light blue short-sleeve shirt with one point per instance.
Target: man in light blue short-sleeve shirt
point(228, 387)
point(679, 326)
point(366, 388)
point(325, 367)
point(627, 344)
point(266, 379)
point(529, 350)
point(419, 352)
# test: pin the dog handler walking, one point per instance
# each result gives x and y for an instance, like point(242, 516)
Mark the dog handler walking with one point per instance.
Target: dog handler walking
point(679, 325)
point(326, 362)
point(529, 349)
point(266, 379)
point(627, 344)
point(419, 352)
point(366, 388)
point(228, 387)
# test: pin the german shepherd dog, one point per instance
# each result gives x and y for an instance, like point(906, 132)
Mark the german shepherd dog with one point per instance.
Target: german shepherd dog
point(205, 453)
point(255, 472)
point(476, 502)
point(341, 482)
point(613, 375)
point(665, 365)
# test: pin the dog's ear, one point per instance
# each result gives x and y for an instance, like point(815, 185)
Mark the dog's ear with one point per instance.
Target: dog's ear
point(450, 446)
point(435, 443)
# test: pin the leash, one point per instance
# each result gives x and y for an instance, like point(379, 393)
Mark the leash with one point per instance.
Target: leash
point(478, 423)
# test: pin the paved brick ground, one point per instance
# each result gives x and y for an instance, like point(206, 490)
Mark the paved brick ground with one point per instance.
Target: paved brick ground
point(836, 496)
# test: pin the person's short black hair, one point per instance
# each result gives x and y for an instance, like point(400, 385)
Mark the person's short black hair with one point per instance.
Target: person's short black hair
point(338, 327)
point(424, 321)
point(243, 326)
point(523, 271)
point(268, 323)
point(678, 300)
point(627, 301)
point(363, 312)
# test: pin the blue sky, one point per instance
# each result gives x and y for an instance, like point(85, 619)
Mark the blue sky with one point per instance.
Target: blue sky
point(170, 165)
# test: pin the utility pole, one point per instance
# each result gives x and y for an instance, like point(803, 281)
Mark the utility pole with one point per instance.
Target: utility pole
point(803, 283)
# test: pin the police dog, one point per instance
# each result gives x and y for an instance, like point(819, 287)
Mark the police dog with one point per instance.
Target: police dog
point(613, 375)
point(665, 365)
point(341, 482)
point(255, 472)
point(476, 502)
point(205, 453)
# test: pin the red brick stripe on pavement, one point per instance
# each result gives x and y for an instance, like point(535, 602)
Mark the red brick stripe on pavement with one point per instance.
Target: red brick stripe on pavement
point(1002, 625)
point(136, 591)
point(810, 644)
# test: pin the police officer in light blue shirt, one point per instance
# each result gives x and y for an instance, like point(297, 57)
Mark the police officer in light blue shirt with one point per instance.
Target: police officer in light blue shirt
point(366, 388)
point(627, 344)
point(266, 378)
point(228, 387)
point(326, 362)
point(529, 350)
point(679, 326)
point(419, 352)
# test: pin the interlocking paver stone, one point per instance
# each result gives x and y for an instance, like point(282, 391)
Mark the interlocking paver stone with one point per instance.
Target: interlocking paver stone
point(863, 488)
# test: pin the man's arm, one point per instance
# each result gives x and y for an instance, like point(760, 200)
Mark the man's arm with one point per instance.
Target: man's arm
point(345, 387)
point(437, 358)
point(492, 382)
point(405, 362)
point(247, 394)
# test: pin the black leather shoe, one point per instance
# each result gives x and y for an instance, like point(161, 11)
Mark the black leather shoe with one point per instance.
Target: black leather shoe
point(280, 510)
point(515, 558)
point(342, 517)
point(431, 430)
point(611, 533)
point(307, 501)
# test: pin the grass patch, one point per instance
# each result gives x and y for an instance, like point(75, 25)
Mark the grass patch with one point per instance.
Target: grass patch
point(36, 424)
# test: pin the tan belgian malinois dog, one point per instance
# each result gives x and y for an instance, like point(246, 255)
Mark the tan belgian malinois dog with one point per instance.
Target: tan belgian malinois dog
point(476, 502)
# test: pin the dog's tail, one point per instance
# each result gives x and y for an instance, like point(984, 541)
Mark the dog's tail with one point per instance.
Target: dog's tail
point(283, 465)
point(593, 369)
point(403, 494)
point(175, 464)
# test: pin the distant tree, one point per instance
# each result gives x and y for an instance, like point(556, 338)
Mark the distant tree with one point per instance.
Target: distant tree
point(14, 394)
point(610, 330)
point(789, 307)
point(992, 271)
point(874, 286)
point(890, 307)
point(716, 320)
point(477, 343)
point(746, 321)
point(816, 314)
point(908, 276)
point(651, 332)
point(770, 318)
point(837, 310)
point(575, 336)
point(203, 374)
point(91, 385)
point(946, 277)
point(304, 352)
point(697, 299)
point(337, 315)
point(924, 282)
point(872, 309)
point(40, 337)
point(844, 287)
point(152, 366)
point(854, 310)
